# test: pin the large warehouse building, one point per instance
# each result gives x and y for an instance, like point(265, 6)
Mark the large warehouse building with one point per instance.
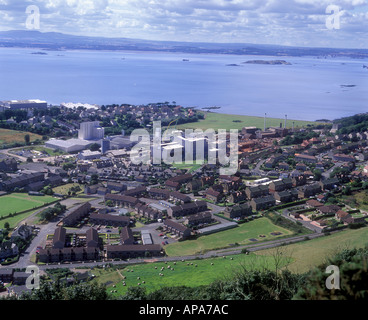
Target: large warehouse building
point(89, 133)
point(71, 145)
point(23, 104)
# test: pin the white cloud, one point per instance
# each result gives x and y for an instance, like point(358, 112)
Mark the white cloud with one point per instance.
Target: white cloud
point(299, 22)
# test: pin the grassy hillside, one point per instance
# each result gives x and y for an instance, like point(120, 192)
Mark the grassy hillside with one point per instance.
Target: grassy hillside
point(189, 273)
point(311, 253)
point(12, 136)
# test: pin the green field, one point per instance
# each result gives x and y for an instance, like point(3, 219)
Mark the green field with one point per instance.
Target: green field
point(65, 188)
point(259, 229)
point(13, 221)
point(190, 167)
point(308, 254)
point(225, 121)
point(17, 202)
point(12, 136)
point(190, 273)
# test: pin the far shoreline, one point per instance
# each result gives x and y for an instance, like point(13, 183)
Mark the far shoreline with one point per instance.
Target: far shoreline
point(261, 117)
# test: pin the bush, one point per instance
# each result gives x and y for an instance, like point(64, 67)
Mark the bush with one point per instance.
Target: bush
point(356, 225)
point(352, 264)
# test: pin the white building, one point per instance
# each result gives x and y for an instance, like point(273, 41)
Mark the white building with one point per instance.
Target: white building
point(89, 155)
point(71, 105)
point(91, 131)
point(71, 145)
point(24, 104)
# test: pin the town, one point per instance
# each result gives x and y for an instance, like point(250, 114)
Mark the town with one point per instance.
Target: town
point(71, 194)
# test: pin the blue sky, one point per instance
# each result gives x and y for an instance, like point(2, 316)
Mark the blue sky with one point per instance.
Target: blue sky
point(283, 22)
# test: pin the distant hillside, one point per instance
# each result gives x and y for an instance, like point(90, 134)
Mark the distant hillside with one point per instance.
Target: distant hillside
point(59, 41)
point(356, 123)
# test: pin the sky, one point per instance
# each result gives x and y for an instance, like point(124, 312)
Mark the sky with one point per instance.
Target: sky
point(310, 23)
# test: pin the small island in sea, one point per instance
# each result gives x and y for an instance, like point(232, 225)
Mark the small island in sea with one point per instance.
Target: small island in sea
point(39, 52)
point(211, 108)
point(273, 62)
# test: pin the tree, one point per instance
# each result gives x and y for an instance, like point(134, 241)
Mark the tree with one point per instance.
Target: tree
point(317, 175)
point(109, 203)
point(353, 269)
point(55, 291)
point(356, 183)
point(94, 179)
point(135, 293)
point(94, 147)
point(27, 139)
point(6, 225)
point(346, 191)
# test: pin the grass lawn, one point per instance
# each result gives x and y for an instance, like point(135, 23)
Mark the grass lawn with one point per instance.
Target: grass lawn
point(16, 202)
point(138, 225)
point(186, 166)
point(259, 229)
point(308, 254)
point(8, 136)
point(183, 274)
point(225, 121)
point(13, 221)
point(65, 188)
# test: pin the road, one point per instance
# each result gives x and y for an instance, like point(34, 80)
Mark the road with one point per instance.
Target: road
point(49, 228)
point(306, 224)
point(6, 152)
point(40, 239)
point(209, 254)
point(327, 173)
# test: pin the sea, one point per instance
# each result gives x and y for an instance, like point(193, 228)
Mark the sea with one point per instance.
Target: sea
point(311, 88)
